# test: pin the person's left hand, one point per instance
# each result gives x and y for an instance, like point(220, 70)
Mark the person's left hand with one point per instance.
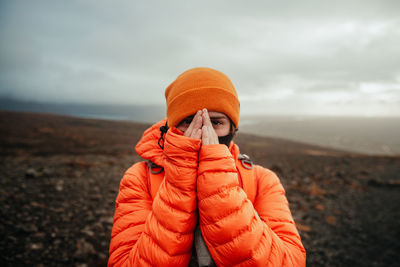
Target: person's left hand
point(208, 136)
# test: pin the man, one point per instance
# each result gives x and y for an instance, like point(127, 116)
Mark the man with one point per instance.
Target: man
point(202, 184)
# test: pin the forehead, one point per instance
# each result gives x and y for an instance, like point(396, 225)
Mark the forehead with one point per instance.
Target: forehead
point(216, 114)
point(213, 115)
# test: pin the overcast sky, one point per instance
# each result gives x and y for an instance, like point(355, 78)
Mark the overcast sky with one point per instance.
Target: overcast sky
point(284, 57)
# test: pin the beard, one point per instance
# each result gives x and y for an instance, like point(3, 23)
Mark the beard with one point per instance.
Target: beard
point(226, 140)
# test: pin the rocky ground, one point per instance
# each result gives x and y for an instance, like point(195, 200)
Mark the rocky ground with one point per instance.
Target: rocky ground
point(60, 177)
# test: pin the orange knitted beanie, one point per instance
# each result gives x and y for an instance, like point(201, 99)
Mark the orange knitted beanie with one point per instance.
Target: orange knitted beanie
point(200, 88)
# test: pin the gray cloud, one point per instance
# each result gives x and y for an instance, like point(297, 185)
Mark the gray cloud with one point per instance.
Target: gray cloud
point(279, 54)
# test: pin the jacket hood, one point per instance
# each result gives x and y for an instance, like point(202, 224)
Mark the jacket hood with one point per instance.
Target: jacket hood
point(148, 147)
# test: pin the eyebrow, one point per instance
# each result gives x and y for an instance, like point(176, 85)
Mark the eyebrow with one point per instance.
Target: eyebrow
point(217, 117)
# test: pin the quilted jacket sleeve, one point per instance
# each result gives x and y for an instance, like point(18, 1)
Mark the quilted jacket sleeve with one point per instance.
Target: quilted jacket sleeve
point(235, 234)
point(159, 232)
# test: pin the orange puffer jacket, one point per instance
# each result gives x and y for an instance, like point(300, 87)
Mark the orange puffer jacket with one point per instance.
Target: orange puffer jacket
point(200, 180)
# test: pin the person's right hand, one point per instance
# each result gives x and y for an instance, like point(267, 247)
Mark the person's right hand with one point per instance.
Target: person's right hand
point(194, 129)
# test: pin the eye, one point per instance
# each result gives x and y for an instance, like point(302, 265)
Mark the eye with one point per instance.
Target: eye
point(216, 122)
point(187, 121)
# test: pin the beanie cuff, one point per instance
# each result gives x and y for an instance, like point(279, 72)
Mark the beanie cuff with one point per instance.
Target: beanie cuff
point(190, 101)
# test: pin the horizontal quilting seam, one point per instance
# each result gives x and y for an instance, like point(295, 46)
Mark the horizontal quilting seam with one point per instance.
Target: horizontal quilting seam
point(276, 191)
point(169, 229)
point(288, 238)
point(230, 213)
point(123, 214)
point(220, 190)
point(118, 215)
point(135, 187)
point(190, 150)
point(253, 252)
point(176, 163)
point(274, 212)
point(275, 188)
point(145, 260)
point(177, 187)
point(126, 243)
point(125, 190)
point(269, 213)
point(275, 200)
point(127, 197)
point(241, 232)
point(127, 227)
point(129, 175)
point(276, 184)
point(281, 221)
point(173, 206)
point(216, 170)
point(213, 158)
point(156, 244)
point(243, 260)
